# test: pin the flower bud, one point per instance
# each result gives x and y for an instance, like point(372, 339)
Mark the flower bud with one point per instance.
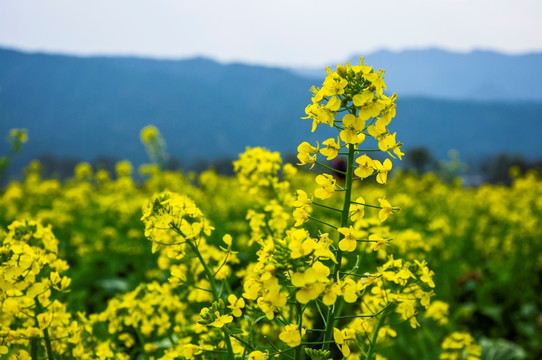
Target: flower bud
point(341, 71)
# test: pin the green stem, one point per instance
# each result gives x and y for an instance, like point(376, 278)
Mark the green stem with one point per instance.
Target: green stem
point(48, 344)
point(326, 207)
point(335, 309)
point(394, 208)
point(372, 344)
point(46, 337)
point(330, 168)
point(240, 339)
point(211, 279)
point(299, 347)
point(322, 222)
point(34, 348)
point(365, 316)
point(141, 340)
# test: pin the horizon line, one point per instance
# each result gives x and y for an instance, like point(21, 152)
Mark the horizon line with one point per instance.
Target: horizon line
point(155, 57)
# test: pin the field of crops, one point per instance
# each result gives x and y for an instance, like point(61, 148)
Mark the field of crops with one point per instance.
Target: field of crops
point(353, 260)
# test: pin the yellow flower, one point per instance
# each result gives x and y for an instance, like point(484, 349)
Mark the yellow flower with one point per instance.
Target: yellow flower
point(302, 199)
point(438, 311)
point(353, 127)
point(407, 311)
point(330, 294)
point(388, 143)
point(328, 186)
point(383, 170)
point(123, 168)
point(426, 274)
point(332, 148)
point(312, 282)
point(148, 133)
point(334, 85)
point(300, 243)
point(378, 242)
point(236, 305)
point(189, 351)
point(19, 355)
point(456, 343)
point(363, 99)
point(349, 289)
point(301, 216)
point(348, 242)
point(371, 110)
point(357, 211)
point(257, 355)
point(340, 338)
point(83, 171)
point(291, 335)
point(307, 153)
point(323, 114)
point(366, 167)
point(227, 240)
point(386, 210)
point(377, 80)
point(221, 320)
point(378, 132)
point(18, 135)
point(333, 104)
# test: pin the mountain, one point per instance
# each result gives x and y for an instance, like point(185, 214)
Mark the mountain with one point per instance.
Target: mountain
point(87, 107)
point(90, 106)
point(478, 75)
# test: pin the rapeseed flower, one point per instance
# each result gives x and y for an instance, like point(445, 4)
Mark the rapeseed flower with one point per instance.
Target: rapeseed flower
point(292, 335)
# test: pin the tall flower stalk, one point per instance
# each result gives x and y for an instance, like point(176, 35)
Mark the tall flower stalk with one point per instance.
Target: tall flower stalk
point(307, 293)
point(352, 101)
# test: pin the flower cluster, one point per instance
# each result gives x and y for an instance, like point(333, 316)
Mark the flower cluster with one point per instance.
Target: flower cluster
point(30, 279)
point(257, 170)
point(154, 144)
point(459, 346)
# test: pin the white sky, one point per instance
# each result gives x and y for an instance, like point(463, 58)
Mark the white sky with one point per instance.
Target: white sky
point(271, 32)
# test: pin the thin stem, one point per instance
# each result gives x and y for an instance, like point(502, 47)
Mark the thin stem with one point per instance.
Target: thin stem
point(241, 340)
point(299, 311)
point(46, 337)
point(223, 263)
point(326, 207)
point(34, 347)
point(214, 291)
point(323, 222)
point(372, 343)
point(394, 208)
point(335, 310)
point(272, 345)
point(321, 313)
point(330, 168)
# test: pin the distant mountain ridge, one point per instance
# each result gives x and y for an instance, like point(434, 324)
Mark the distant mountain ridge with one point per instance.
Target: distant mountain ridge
point(86, 107)
point(436, 73)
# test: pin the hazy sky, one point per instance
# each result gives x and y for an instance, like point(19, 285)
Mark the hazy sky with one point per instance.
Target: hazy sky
point(277, 32)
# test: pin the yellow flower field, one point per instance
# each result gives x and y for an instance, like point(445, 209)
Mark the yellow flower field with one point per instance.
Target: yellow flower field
point(280, 261)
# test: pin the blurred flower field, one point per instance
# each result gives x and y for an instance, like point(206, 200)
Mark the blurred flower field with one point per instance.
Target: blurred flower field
point(273, 262)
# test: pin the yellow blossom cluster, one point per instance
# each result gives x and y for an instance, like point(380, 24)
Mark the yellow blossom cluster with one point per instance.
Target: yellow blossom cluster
point(257, 170)
point(459, 346)
point(30, 282)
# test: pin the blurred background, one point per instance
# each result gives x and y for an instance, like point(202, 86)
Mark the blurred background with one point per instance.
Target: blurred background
point(85, 77)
